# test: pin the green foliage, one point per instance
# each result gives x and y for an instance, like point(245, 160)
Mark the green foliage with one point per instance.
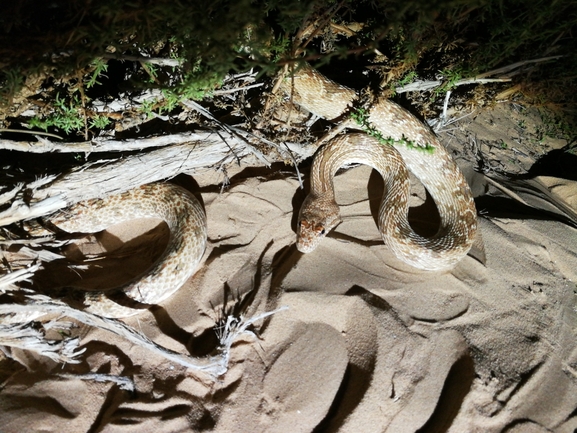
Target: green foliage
point(69, 42)
point(557, 126)
point(66, 116)
point(523, 28)
point(196, 84)
point(407, 79)
point(225, 34)
point(99, 122)
point(451, 76)
point(147, 106)
point(100, 66)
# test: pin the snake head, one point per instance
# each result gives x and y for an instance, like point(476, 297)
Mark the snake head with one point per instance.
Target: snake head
point(315, 221)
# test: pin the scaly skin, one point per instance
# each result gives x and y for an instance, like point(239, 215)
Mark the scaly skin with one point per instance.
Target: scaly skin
point(186, 220)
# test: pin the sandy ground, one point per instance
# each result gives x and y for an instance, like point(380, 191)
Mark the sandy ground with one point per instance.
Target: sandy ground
point(366, 344)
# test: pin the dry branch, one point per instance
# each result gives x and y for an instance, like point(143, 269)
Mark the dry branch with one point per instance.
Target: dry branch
point(23, 336)
point(38, 303)
point(192, 153)
point(44, 145)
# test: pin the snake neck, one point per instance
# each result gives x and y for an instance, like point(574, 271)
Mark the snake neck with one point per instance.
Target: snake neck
point(320, 208)
point(348, 150)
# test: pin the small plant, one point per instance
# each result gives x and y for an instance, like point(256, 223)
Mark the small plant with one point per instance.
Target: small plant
point(147, 106)
point(451, 76)
point(99, 122)
point(555, 126)
point(407, 79)
point(100, 66)
point(400, 39)
point(66, 116)
point(152, 72)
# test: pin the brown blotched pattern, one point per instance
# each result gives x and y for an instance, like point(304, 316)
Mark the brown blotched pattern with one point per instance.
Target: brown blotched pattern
point(186, 220)
point(433, 167)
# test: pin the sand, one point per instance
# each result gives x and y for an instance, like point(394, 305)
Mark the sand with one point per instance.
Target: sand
point(367, 343)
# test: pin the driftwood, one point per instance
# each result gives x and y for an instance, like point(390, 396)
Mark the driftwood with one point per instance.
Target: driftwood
point(17, 330)
point(183, 153)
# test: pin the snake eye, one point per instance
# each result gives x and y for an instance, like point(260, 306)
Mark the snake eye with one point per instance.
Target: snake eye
point(319, 229)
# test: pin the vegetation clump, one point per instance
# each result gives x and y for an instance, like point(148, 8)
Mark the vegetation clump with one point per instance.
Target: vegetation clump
point(59, 57)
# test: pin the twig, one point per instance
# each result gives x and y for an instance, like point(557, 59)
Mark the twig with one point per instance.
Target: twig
point(45, 305)
point(123, 382)
point(512, 66)
point(433, 122)
point(104, 144)
point(236, 89)
point(154, 60)
point(230, 129)
point(419, 86)
point(26, 131)
point(7, 282)
point(104, 178)
point(24, 336)
point(235, 327)
point(478, 79)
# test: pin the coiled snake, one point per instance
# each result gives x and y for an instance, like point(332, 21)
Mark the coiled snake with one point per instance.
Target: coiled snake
point(186, 221)
point(414, 146)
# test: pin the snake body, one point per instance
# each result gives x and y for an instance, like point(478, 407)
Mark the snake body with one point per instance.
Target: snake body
point(425, 157)
point(186, 221)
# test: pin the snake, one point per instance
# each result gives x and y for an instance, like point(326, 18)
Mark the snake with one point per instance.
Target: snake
point(394, 142)
point(185, 217)
point(186, 220)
